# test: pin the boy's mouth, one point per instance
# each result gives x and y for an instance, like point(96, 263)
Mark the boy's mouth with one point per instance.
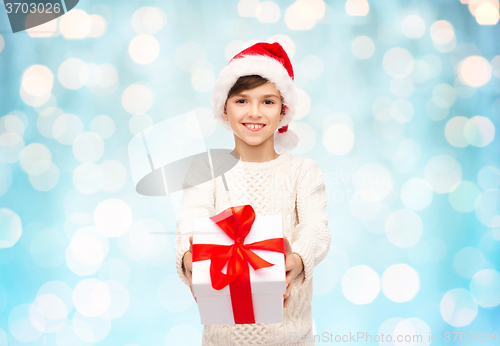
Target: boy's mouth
point(253, 127)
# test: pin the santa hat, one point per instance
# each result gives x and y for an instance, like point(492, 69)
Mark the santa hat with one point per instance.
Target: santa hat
point(270, 61)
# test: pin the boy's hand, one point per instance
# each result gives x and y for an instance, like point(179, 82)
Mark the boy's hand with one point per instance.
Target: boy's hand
point(293, 267)
point(188, 264)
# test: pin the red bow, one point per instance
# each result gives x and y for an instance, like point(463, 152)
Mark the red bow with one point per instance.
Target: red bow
point(236, 222)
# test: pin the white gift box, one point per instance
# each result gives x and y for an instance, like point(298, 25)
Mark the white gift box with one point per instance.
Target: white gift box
point(267, 284)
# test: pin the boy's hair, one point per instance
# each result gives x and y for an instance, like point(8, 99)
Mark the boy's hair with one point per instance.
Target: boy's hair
point(247, 83)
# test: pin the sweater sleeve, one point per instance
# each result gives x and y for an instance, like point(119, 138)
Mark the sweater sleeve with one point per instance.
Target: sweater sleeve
point(312, 240)
point(198, 201)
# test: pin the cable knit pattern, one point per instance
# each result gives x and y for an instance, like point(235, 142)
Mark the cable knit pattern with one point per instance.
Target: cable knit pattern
point(290, 186)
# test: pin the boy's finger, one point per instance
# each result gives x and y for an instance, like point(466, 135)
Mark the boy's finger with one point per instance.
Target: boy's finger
point(190, 243)
point(288, 247)
point(285, 302)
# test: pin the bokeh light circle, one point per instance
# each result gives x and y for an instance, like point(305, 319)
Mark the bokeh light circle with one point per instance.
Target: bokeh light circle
point(99, 26)
point(114, 175)
point(488, 177)
point(402, 110)
point(268, 12)
point(37, 81)
point(73, 73)
point(479, 131)
point(474, 71)
point(306, 134)
point(463, 198)
point(91, 297)
point(113, 217)
point(20, 323)
point(488, 207)
point(75, 24)
point(32, 154)
point(11, 146)
point(119, 299)
point(148, 20)
point(11, 226)
point(52, 310)
point(103, 126)
point(416, 194)
point(202, 80)
point(66, 128)
point(88, 178)
point(88, 247)
point(144, 49)
point(357, 7)
point(400, 282)
point(485, 288)
point(360, 284)
point(362, 47)
point(46, 180)
point(398, 62)
point(442, 32)
point(454, 131)
point(91, 329)
point(443, 173)
point(137, 99)
point(338, 139)
point(413, 26)
point(458, 307)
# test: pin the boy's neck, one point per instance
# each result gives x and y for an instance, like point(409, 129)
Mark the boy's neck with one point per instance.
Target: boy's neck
point(263, 152)
point(254, 156)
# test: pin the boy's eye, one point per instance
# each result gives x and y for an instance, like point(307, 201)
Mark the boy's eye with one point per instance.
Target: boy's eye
point(243, 100)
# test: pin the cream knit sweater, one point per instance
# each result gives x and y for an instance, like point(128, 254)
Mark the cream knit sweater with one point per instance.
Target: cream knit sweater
point(290, 186)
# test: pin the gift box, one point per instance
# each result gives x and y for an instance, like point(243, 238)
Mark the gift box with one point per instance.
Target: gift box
point(239, 267)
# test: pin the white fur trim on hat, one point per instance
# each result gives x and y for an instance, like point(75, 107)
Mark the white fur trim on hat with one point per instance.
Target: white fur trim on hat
point(261, 65)
point(286, 141)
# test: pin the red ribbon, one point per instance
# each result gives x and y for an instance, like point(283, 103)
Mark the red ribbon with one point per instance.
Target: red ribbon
point(236, 222)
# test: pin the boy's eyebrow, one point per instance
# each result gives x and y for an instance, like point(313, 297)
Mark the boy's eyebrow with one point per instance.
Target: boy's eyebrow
point(266, 95)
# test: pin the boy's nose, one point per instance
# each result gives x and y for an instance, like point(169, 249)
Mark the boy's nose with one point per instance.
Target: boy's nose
point(255, 109)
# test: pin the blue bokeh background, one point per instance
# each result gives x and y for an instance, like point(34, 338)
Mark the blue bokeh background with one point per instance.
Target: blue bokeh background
point(407, 92)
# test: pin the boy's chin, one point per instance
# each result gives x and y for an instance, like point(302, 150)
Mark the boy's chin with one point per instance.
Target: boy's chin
point(254, 142)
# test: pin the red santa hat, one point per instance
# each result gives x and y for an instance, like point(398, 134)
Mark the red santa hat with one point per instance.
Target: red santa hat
point(270, 61)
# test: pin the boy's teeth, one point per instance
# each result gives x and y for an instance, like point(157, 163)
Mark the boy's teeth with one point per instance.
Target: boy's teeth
point(254, 126)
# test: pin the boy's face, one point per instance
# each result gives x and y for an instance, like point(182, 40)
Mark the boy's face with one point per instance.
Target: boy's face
point(261, 105)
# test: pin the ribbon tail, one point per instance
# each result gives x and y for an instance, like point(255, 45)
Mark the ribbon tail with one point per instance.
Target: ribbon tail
point(202, 252)
point(218, 260)
point(241, 298)
point(273, 244)
point(255, 260)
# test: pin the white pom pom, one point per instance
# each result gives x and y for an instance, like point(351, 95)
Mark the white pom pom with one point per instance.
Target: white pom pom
point(286, 141)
